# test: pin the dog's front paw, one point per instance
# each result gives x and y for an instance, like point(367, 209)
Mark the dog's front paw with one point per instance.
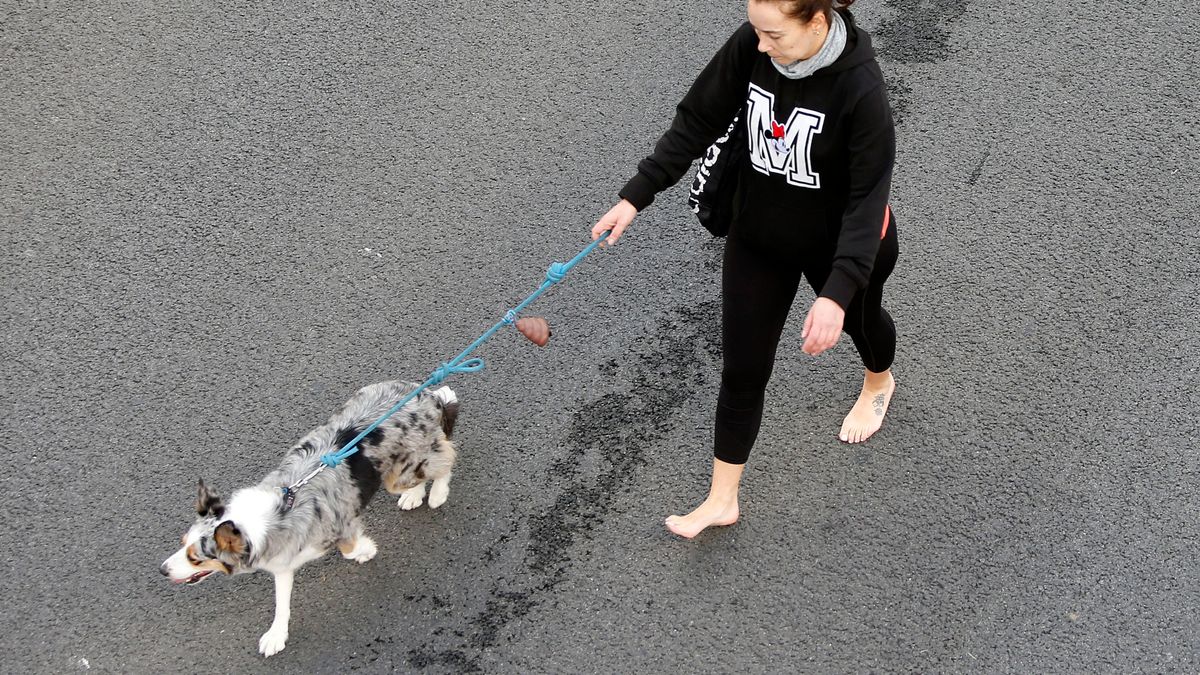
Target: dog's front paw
point(411, 498)
point(273, 641)
point(364, 550)
point(438, 493)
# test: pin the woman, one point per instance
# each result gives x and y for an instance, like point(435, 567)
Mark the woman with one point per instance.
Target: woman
point(811, 201)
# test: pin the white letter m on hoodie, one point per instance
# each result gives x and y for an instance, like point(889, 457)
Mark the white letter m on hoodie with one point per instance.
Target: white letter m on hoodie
point(785, 150)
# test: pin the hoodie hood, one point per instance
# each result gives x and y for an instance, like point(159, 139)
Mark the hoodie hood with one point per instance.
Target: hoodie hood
point(858, 48)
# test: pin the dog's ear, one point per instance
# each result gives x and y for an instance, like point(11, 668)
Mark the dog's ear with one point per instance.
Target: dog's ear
point(207, 502)
point(449, 417)
point(229, 538)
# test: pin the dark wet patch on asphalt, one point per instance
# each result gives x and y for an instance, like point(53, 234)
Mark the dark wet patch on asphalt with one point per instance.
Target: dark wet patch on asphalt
point(615, 433)
point(915, 32)
point(899, 95)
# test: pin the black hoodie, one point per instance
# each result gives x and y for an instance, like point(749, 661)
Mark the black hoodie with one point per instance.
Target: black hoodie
point(816, 177)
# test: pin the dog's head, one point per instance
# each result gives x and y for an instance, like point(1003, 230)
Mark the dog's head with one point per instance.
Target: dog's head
point(212, 544)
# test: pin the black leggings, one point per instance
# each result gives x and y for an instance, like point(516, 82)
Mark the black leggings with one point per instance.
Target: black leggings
point(757, 292)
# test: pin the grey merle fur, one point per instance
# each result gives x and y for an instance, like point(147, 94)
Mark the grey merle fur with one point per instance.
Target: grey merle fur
point(257, 530)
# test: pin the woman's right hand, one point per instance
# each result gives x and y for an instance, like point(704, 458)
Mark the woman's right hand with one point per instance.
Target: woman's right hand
point(617, 219)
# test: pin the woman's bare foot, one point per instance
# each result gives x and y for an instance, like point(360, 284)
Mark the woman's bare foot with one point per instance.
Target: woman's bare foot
point(721, 506)
point(711, 512)
point(866, 416)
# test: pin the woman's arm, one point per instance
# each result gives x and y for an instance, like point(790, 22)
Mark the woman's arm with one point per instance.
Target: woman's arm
point(872, 153)
point(700, 118)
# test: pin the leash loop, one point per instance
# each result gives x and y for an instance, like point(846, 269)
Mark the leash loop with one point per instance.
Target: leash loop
point(447, 369)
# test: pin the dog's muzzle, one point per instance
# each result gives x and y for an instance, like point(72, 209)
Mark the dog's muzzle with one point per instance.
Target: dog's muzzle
point(195, 578)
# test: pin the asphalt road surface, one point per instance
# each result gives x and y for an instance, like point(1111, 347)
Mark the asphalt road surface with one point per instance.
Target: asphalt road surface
point(221, 219)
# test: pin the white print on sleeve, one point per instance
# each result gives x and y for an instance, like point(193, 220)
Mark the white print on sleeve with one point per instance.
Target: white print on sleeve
point(782, 148)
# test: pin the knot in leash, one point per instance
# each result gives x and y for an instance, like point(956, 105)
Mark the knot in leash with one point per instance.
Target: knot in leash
point(556, 272)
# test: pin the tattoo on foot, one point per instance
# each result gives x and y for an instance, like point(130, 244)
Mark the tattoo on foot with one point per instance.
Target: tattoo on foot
point(878, 403)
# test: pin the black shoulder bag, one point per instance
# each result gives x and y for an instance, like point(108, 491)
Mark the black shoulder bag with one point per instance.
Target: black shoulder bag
point(711, 197)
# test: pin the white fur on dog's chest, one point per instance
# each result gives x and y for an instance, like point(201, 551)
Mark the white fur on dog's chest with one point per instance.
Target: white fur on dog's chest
point(291, 563)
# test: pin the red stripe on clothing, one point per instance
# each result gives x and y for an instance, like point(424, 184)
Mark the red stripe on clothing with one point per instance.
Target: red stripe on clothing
point(887, 220)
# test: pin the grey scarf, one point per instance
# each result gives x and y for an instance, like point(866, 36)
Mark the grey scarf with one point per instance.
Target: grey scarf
point(829, 52)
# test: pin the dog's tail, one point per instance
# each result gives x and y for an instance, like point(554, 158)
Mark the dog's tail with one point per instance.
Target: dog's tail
point(449, 409)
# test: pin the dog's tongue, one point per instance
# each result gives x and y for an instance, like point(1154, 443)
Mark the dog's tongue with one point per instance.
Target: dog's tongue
point(192, 579)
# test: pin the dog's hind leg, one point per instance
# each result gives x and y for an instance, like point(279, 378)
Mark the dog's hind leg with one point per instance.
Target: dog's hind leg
point(412, 497)
point(439, 491)
point(274, 640)
point(354, 545)
point(359, 549)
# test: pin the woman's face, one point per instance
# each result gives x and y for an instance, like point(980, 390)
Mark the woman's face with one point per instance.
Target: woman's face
point(784, 39)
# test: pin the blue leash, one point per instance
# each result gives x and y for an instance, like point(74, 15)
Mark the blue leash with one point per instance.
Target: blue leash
point(460, 363)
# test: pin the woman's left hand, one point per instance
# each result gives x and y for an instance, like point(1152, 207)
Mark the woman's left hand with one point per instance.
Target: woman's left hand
point(823, 326)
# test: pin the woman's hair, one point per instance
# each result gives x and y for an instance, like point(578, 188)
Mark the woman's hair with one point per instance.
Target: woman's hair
point(805, 10)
